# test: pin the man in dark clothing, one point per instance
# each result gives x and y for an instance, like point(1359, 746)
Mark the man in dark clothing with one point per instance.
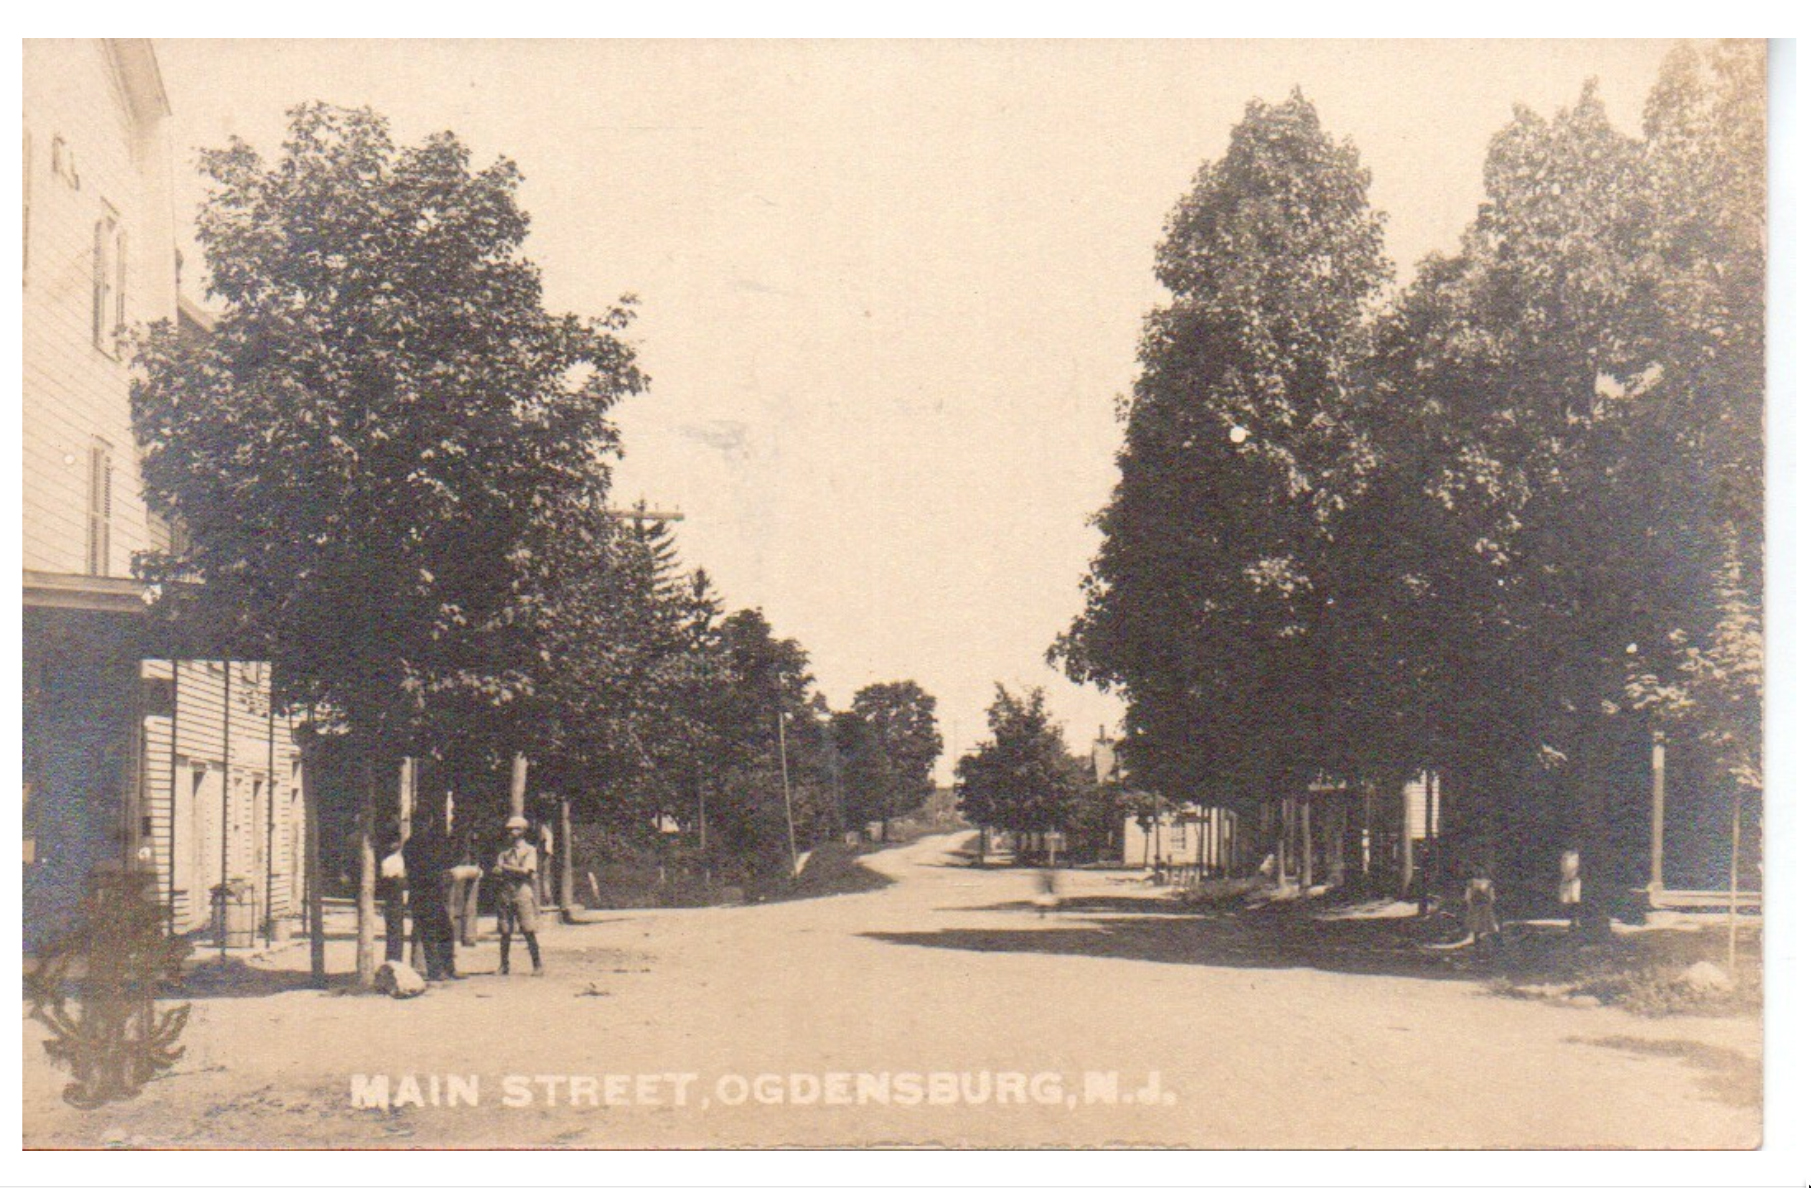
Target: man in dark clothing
point(425, 857)
point(391, 883)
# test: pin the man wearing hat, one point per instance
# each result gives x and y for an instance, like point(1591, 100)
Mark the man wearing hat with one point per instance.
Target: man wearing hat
point(516, 907)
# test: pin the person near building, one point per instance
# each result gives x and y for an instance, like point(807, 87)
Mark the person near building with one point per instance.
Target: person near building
point(517, 908)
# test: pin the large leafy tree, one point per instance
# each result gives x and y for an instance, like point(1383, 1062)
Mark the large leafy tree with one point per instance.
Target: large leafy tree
point(1518, 475)
point(1207, 605)
point(1575, 398)
point(1502, 530)
point(368, 448)
point(1706, 162)
point(889, 774)
point(1021, 779)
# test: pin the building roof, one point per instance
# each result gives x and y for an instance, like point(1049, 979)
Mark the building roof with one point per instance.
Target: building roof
point(139, 76)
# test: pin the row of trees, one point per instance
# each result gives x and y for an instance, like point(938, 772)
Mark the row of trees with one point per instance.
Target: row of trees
point(670, 710)
point(391, 466)
point(1502, 523)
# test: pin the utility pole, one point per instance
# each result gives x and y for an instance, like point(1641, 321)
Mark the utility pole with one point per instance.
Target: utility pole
point(566, 904)
point(792, 841)
point(311, 848)
point(640, 512)
point(226, 802)
point(1657, 839)
point(1735, 877)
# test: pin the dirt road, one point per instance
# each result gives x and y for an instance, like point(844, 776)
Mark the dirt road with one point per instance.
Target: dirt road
point(943, 1009)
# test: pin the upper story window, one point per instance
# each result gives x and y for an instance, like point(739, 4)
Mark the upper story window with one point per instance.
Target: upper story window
point(100, 508)
point(109, 281)
point(62, 162)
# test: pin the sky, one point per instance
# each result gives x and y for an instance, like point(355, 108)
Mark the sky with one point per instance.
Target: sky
point(889, 291)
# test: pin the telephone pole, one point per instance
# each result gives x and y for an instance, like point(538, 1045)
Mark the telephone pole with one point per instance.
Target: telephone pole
point(792, 841)
point(641, 512)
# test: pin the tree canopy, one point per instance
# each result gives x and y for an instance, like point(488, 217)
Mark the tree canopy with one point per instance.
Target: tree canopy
point(1022, 778)
point(1205, 603)
point(1502, 523)
point(888, 772)
point(386, 447)
point(367, 448)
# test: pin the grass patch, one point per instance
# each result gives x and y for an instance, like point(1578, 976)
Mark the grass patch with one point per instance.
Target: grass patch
point(1639, 972)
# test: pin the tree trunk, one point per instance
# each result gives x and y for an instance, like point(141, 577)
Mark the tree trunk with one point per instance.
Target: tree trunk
point(311, 867)
point(406, 779)
point(1408, 841)
point(367, 869)
point(1307, 839)
point(518, 785)
point(1431, 791)
point(1591, 821)
point(981, 848)
point(566, 857)
point(1284, 815)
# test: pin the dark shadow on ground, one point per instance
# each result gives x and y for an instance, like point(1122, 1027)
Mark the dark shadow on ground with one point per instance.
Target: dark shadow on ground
point(210, 977)
point(950, 859)
point(586, 917)
point(1231, 940)
point(1729, 1077)
point(1110, 905)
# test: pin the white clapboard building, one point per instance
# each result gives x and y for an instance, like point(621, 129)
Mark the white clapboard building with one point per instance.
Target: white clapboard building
point(129, 759)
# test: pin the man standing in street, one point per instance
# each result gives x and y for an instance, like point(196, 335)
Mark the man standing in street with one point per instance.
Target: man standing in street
point(425, 865)
point(392, 883)
point(517, 908)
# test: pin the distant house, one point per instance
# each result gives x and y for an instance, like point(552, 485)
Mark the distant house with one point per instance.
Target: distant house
point(130, 760)
point(1202, 838)
point(1196, 837)
point(1326, 833)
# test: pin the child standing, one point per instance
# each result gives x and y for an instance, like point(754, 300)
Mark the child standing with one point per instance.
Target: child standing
point(517, 909)
point(1481, 912)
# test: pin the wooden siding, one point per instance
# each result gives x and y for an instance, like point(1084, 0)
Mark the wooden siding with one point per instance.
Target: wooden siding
point(74, 393)
point(260, 757)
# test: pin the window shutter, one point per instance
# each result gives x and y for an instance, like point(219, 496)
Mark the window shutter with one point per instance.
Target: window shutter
point(100, 283)
point(119, 289)
point(100, 508)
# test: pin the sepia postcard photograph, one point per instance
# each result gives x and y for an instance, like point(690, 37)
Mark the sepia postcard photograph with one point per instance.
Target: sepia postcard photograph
point(848, 594)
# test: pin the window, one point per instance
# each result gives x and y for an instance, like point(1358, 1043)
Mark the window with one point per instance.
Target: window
point(100, 508)
point(62, 162)
point(109, 282)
